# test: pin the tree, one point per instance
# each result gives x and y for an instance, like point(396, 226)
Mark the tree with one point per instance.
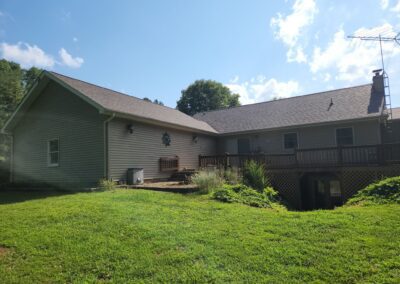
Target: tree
point(14, 84)
point(29, 77)
point(157, 102)
point(205, 95)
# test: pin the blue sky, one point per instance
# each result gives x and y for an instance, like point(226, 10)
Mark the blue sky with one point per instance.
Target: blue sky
point(259, 49)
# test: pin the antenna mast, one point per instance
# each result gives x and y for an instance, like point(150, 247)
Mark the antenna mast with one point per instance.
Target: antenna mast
point(383, 36)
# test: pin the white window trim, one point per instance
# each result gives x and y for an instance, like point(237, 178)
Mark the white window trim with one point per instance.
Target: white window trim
point(49, 164)
point(283, 140)
point(352, 133)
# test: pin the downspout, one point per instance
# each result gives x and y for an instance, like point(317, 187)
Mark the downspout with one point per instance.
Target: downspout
point(106, 162)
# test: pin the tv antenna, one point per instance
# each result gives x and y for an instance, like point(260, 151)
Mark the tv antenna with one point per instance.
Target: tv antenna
point(378, 35)
point(381, 35)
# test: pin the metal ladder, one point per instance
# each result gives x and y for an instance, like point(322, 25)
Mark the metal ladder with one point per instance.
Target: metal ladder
point(387, 102)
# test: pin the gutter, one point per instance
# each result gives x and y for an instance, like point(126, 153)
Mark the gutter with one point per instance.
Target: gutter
point(245, 132)
point(163, 123)
point(106, 162)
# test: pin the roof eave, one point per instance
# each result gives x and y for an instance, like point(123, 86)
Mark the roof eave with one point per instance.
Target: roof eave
point(159, 123)
point(35, 91)
point(377, 117)
point(12, 120)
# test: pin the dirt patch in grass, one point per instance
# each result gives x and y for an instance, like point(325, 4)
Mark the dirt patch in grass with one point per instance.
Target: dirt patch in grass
point(4, 250)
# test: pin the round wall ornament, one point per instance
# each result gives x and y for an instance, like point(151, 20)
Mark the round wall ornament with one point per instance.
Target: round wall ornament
point(166, 139)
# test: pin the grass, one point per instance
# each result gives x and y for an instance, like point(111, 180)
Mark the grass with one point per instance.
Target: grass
point(143, 236)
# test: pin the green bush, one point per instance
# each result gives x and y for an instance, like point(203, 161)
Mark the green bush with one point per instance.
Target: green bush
point(383, 191)
point(106, 185)
point(231, 176)
point(254, 175)
point(207, 180)
point(246, 195)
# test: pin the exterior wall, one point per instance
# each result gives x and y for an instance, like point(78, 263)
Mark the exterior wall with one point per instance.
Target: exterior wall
point(57, 113)
point(365, 133)
point(143, 148)
point(392, 136)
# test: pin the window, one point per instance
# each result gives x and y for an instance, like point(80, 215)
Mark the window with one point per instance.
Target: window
point(243, 145)
point(53, 153)
point(335, 188)
point(344, 136)
point(290, 140)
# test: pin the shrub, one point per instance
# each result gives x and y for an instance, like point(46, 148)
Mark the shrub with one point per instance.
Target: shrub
point(246, 195)
point(231, 176)
point(207, 180)
point(384, 191)
point(254, 175)
point(106, 185)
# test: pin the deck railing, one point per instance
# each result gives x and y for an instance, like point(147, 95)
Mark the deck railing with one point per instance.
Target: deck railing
point(380, 154)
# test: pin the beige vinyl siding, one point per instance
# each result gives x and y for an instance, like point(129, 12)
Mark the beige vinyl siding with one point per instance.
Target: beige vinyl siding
point(365, 133)
point(143, 148)
point(59, 114)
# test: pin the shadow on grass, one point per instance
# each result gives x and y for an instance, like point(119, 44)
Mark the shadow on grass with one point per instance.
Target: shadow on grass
point(9, 196)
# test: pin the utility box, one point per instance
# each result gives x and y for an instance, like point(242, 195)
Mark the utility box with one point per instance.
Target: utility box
point(135, 176)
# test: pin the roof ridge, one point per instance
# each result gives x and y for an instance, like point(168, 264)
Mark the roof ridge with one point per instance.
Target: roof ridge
point(204, 123)
point(117, 92)
point(281, 99)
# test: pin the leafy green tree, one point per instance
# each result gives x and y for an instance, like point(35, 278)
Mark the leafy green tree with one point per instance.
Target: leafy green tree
point(11, 89)
point(205, 95)
point(158, 102)
point(29, 78)
point(14, 84)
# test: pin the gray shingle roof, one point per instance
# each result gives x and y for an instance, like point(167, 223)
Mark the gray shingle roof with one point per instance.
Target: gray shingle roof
point(117, 102)
point(348, 104)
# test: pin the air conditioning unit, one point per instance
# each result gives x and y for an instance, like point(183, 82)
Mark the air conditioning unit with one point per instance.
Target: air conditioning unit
point(135, 176)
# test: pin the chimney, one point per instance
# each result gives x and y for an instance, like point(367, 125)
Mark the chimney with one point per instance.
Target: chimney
point(377, 82)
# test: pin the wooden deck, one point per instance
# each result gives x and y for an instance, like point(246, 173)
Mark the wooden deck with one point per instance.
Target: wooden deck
point(329, 157)
point(169, 186)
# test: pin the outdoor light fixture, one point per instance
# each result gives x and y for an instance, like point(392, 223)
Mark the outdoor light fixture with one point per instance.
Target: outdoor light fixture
point(195, 138)
point(130, 128)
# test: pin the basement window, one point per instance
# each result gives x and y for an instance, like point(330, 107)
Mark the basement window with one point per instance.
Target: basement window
point(53, 153)
point(344, 136)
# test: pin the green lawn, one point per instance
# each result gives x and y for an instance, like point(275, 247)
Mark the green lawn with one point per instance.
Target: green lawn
point(131, 236)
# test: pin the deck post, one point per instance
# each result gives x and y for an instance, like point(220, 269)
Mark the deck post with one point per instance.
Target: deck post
point(340, 155)
point(381, 157)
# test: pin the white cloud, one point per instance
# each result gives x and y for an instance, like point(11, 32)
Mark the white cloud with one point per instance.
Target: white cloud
point(296, 55)
point(75, 39)
point(353, 59)
point(396, 8)
point(260, 89)
point(384, 4)
point(68, 60)
point(289, 29)
point(26, 55)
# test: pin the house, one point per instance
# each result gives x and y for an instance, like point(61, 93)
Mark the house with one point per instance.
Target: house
point(318, 148)
point(67, 132)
